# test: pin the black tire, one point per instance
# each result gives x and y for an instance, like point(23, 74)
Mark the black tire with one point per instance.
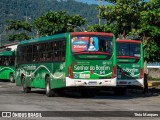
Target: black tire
point(60, 93)
point(87, 94)
point(120, 91)
point(24, 87)
point(11, 78)
point(49, 91)
point(145, 83)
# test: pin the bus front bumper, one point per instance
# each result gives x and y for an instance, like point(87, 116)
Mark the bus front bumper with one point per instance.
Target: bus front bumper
point(90, 82)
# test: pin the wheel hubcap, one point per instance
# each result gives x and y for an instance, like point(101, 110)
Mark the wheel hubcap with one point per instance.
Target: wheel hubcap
point(11, 78)
point(47, 88)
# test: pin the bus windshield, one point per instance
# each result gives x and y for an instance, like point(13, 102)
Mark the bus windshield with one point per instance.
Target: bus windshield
point(96, 44)
point(128, 49)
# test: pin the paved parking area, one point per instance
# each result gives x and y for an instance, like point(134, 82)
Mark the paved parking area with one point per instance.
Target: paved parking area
point(13, 99)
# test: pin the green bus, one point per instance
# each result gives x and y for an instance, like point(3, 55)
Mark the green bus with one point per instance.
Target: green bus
point(78, 60)
point(7, 68)
point(130, 65)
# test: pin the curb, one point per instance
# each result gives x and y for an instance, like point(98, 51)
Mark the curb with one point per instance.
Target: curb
point(153, 83)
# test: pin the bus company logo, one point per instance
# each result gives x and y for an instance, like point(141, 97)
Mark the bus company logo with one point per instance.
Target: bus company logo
point(21, 114)
point(129, 70)
point(32, 67)
point(6, 114)
point(92, 67)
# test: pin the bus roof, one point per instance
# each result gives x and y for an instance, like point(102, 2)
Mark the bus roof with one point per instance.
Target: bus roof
point(41, 39)
point(91, 33)
point(63, 35)
point(128, 41)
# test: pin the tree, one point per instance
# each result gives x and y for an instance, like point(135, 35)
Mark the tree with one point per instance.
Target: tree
point(57, 22)
point(136, 18)
point(20, 27)
point(150, 27)
point(101, 28)
point(123, 14)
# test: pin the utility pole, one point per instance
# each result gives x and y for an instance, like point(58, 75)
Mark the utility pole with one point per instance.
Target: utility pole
point(100, 4)
point(74, 27)
point(0, 41)
point(1, 38)
point(26, 15)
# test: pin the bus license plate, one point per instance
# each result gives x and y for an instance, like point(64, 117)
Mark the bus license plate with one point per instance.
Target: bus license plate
point(93, 83)
point(84, 75)
point(122, 82)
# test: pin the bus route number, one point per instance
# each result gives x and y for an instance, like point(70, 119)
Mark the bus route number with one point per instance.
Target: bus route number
point(102, 72)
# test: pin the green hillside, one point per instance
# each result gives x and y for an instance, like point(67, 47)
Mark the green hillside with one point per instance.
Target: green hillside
point(28, 10)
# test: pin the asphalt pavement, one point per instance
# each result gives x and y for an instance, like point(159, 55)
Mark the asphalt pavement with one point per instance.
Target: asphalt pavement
point(12, 98)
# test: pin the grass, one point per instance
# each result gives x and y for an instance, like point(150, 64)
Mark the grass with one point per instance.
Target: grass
point(154, 79)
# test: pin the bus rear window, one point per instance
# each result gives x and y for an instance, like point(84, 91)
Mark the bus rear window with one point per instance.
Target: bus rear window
point(92, 43)
point(128, 49)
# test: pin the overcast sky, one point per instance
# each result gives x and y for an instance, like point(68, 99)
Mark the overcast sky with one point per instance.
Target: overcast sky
point(92, 2)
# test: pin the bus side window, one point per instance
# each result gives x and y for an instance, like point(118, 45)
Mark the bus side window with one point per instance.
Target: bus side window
point(41, 47)
point(63, 52)
point(58, 50)
point(55, 45)
point(6, 61)
point(42, 57)
point(48, 57)
point(55, 51)
point(24, 52)
point(49, 51)
point(55, 56)
point(35, 57)
point(11, 60)
point(29, 53)
point(0, 61)
point(63, 55)
point(33, 53)
point(41, 52)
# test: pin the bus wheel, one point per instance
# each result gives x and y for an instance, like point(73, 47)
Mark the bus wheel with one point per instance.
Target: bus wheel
point(87, 94)
point(49, 91)
point(145, 83)
point(120, 91)
point(11, 78)
point(25, 88)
